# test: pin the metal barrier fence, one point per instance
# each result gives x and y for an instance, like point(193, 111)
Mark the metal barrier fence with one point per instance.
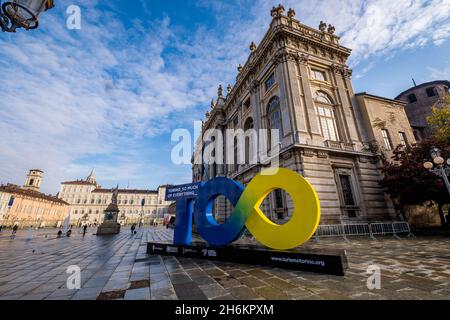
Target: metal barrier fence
point(364, 229)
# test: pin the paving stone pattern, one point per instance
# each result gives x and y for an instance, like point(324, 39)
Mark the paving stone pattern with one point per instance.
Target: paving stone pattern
point(117, 267)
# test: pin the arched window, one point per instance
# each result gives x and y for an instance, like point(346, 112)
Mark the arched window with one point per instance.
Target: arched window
point(327, 118)
point(248, 140)
point(274, 116)
point(235, 154)
point(322, 97)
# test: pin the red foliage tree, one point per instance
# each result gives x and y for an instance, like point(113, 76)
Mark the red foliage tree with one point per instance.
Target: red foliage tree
point(407, 181)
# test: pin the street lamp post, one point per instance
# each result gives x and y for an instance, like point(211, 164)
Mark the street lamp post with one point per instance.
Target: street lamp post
point(439, 166)
point(22, 14)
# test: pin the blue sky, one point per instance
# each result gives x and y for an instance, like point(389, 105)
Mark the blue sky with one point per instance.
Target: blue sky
point(109, 95)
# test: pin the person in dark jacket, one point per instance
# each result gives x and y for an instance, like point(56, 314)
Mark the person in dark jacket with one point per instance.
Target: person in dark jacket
point(14, 231)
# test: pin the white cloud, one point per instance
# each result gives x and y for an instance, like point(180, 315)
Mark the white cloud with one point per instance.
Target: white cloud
point(368, 27)
point(67, 95)
point(440, 74)
point(103, 90)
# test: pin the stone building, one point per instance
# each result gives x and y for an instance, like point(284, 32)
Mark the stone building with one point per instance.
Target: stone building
point(420, 99)
point(88, 200)
point(26, 206)
point(386, 125)
point(297, 81)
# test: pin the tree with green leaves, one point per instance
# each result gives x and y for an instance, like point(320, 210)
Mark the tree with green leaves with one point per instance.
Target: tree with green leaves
point(439, 120)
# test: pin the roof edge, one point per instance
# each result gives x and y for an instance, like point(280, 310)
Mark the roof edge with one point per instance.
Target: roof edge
point(426, 84)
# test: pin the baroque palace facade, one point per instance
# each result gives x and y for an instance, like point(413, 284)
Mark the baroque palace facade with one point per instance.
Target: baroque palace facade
point(297, 81)
point(87, 201)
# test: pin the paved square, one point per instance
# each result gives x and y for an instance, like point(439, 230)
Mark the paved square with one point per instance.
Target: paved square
point(118, 267)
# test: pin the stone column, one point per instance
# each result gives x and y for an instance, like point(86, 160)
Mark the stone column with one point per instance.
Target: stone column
point(280, 75)
point(346, 109)
point(297, 107)
point(308, 100)
point(255, 102)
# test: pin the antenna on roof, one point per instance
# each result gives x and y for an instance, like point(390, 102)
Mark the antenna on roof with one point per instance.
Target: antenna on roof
point(414, 82)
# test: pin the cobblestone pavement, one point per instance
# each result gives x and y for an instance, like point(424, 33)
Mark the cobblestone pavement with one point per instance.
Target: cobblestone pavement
point(118, 267)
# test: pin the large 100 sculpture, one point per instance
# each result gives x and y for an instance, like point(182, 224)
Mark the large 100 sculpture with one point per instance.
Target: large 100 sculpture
point(247, 212)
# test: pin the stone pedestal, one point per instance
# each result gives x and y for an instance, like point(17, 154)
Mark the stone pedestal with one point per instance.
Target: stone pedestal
point(110, 225)
point(108, 228)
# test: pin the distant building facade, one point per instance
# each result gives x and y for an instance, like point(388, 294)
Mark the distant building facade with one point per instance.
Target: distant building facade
point(88, 200)
point(419, 102)
point(386, 125)
point(26, 206)
point(297, 81)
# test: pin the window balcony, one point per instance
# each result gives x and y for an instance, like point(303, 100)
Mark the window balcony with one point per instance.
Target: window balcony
point(340, 145)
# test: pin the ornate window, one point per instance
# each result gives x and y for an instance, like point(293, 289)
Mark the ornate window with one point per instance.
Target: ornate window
point(322, 97)
point(318, 75)
point(247, 104)
point(348, 193)
point(248, 142)
point(347, 190)
point(274, 115)
point(235, 154)
point(327, 118)
point(270, 82)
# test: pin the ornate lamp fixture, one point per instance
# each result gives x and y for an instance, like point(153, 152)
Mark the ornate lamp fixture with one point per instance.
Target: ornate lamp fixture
point(22, 14)
point(438, 166)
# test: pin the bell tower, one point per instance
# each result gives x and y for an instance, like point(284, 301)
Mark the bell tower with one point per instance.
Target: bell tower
point(34, 179)
point(91, 177)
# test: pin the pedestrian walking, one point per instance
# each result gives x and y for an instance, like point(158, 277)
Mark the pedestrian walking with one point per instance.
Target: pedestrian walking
point(133, 227)
point(84, 229)
point(14, 231)
point(68, 234)
point(59, 233)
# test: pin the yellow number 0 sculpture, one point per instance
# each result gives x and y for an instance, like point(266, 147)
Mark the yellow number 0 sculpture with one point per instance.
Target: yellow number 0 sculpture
point(304, 221)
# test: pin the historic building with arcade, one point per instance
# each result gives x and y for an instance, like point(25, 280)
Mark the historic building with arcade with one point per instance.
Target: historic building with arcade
point(297, 81)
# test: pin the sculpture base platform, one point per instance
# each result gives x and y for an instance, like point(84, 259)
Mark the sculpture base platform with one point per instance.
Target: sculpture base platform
point(331, 262)
point(108, 228)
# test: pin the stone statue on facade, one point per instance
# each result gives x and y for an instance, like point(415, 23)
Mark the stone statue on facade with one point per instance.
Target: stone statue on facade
point(291, 13)
point(331, 29)
point(322, 26)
